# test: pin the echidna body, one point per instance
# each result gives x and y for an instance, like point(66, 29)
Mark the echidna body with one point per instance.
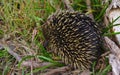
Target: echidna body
point(74, 37)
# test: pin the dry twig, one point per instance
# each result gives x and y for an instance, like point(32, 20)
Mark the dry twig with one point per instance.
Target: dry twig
point(67, 5)
point(89, 9)
point(114, 57)
point(58, 71)
point(18, 58)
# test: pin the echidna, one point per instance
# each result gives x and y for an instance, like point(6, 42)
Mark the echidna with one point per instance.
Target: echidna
point(74, 37)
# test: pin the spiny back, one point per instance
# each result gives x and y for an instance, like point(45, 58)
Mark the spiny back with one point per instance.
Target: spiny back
point(74, 37)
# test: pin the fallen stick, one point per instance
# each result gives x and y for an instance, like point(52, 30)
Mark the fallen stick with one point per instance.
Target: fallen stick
point(58, 71)
point(67, 5)
point(19, 59)
point(114, 57)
